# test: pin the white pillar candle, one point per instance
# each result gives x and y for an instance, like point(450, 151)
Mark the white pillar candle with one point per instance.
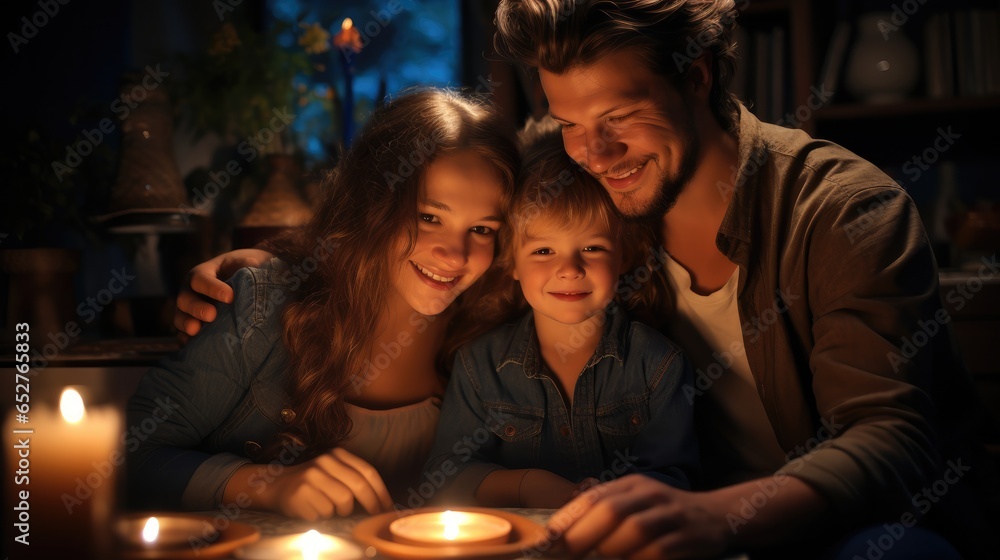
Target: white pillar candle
point(68, 461)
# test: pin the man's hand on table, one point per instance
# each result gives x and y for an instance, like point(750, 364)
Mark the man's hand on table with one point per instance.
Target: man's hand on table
point(638, 517)
point(206, 286)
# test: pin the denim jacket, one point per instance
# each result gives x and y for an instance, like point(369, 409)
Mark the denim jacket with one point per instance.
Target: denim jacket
point(502, 410)
point(200, 414)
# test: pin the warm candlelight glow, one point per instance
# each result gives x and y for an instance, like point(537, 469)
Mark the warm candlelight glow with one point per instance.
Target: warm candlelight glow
point(73, 453)
point(311, 545)
point(349, 38)
point(151, 530)
point(450, 520)
point(153, 535)
point(451, 528)
point(71, 405)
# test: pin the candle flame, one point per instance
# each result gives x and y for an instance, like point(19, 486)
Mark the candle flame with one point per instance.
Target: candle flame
point(347, 24)
point(151, 530)
point(312, 544)
point(450, 520)
point(71, 405)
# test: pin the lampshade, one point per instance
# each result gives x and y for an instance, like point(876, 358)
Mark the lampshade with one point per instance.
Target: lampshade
point(280, 206)
point(148, 195)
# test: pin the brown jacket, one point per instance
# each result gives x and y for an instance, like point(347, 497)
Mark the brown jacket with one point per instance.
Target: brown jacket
point(843, 326)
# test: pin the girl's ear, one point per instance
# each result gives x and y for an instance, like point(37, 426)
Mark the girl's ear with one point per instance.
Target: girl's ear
point(513, 274)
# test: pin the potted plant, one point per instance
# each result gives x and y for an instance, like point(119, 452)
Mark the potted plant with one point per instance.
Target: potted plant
point(46, 221)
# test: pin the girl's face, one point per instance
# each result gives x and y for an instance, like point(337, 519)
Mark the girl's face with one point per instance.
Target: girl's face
point(458, 215)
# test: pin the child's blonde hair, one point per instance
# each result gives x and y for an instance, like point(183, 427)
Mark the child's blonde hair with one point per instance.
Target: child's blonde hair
point(554, 192)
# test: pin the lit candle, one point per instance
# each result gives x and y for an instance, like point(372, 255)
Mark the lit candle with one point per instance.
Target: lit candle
point(65, 471)
point(165, 533)
point(311, 545)
point(349, 42)
point(451, 528)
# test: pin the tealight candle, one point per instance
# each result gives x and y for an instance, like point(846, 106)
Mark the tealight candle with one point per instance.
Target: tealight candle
point(69, 460)
point(446, 528)
point(311, 545)
point(165, 533)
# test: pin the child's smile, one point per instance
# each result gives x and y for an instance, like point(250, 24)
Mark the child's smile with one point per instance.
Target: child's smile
point(567, 275)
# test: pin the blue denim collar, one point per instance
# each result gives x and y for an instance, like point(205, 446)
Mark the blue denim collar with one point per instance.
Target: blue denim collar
point(522, 350)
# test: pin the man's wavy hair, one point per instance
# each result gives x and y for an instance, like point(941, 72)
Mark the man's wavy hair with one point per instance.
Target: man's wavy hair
point(370, 200)
point(669, 35)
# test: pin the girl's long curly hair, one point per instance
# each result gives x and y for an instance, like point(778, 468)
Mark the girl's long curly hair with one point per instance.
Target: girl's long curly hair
point(348, 251)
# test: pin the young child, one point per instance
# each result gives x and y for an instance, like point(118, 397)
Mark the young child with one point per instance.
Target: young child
point(574, 392)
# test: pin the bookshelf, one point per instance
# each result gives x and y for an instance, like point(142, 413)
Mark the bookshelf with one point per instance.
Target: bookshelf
point(776, 59)
point(958, 89)
point(957, 93)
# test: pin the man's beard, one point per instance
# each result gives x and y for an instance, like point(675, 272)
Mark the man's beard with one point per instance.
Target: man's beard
point(667, 190)
point(668, 187)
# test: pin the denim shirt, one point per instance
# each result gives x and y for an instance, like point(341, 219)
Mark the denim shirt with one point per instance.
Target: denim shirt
point(200, 414)
point(502, 410)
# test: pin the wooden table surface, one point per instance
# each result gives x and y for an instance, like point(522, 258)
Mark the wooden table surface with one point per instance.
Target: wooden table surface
point(273, 525)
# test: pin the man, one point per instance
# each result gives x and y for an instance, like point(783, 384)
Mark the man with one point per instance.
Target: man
point(799, 270)
point(801, 274)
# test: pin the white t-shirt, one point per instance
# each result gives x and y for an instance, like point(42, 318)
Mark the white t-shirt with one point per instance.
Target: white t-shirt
point(733, 427)
point(396, 441)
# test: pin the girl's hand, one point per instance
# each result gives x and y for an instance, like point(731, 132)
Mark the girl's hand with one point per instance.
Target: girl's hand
point(207, 279)
point(325, 486)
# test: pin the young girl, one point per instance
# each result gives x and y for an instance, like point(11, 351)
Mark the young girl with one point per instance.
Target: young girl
point(573, 391)
point(319, 385)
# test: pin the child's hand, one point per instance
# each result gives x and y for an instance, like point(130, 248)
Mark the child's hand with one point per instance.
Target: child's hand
point(584, 485)
point(540, 488)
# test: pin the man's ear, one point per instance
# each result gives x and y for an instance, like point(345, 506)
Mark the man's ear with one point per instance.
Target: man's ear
point(699, 75)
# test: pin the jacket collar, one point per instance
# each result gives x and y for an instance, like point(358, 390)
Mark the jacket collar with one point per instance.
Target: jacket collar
point(522, 350)
point(737, 226)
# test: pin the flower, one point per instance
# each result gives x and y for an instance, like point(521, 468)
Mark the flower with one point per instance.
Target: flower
point(314, 39)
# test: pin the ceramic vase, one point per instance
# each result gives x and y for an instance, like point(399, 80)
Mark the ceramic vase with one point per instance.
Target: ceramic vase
point(883, 65)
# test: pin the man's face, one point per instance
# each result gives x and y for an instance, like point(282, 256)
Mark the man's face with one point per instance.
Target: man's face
point(631, 129)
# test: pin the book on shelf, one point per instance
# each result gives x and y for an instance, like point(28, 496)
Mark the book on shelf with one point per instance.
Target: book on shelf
point(836, 53)
point(939, 67)
point(969, 47)
point(990, 48)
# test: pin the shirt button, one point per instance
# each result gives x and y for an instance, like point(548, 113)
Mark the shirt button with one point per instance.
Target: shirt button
point(564, 431)
point(510, 430)
point(251, 448)
point(287, 414)
point(635, 420)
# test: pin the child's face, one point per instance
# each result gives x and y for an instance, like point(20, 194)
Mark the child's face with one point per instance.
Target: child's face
point(568, 275)
point(458, 216)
